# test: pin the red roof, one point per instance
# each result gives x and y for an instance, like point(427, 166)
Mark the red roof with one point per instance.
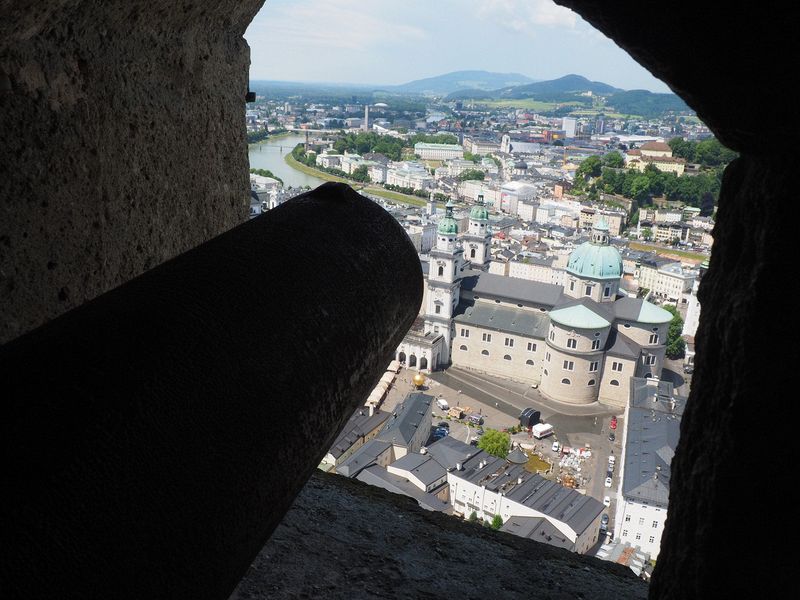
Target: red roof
point(657, 146)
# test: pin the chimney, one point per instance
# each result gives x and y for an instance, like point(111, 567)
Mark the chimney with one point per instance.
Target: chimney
point(371, 409)
point(459, 467)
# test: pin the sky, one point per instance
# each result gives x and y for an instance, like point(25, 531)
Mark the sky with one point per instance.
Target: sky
point(385, 42)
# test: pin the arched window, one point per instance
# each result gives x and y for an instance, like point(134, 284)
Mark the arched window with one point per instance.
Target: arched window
point(545, 372)
point(529, 362)
point(462, 347)
point(566, 381)
point(423, 363)
point(441, 271)
point(402, 357)
point(506, 357)
point(412, 360)
point(614, 382)
point(485, 352)
point(472, 253)
point(591, 382)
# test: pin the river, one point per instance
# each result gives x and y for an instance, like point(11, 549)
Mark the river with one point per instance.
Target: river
point(269, 155)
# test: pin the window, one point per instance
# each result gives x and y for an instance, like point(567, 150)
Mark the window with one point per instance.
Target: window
point(641, 520)
point(624, 533)
point(485, 352)
point(627, 325)
point(510, 342)
point(571, 286)
point(649, 360)
point(638, 536)
point(565, 381)
point(487, 337)
point(506, 357)
point(529, 362)
point(588, 290)
point(595, 344)
point(548, 357)
point(462, 347)
point(472, 253)
point(569, 365)
point(593, 366)
point(464, 332)
point(591, 382)
point(627, 518)
point(616, 366)
point(614, 382)
point(546, 373)
point(607, 291)
point(572, 343)
point(435, 329)
point(437, 308)
point(441, 271)
point(652, 539)
point(552, 335)
point(654, 338)
point(655, 524)
point(531, 347)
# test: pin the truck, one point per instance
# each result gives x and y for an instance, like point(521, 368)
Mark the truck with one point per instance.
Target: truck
point(442, 404)
point(542, 430)
point(456, 412)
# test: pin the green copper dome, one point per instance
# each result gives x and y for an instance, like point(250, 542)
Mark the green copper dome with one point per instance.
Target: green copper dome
point(448, 225)
point(596, 259)
point(479, 212)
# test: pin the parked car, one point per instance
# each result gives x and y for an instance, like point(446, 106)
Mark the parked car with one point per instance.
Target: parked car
point(608, 482)
point(613, 424)
point(609, 474)
point(444, 424)
point(607, 501)
point(611, 436)
point(556, 447)
point(604, 522)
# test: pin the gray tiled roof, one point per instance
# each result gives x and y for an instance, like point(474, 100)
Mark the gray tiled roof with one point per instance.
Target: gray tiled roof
point(651, 437)
point(407, 418)
point(522, 291)
point(622, 346)
point(449, 451)
point(380, 477)
point(547, 497)
point(502, 318)
point(538, 529)
point(363, 457)
point(423, 467)
point(359, 425)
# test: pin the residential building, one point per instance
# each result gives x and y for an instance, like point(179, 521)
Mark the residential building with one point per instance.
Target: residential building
point(652, 428)
point(428, 151)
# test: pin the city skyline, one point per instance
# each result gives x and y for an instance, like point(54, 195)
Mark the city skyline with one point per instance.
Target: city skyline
point(386, 43)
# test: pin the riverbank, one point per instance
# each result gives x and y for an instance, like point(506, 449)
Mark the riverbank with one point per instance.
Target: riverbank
point(277, 136)
point(375, 191)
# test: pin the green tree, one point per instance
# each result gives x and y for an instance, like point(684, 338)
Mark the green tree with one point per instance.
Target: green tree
point(647, 233)
point(497, 522)
point(471, 174)
point(473, 518)
point(613, 160)
point(495, 443)
point(361, 174)
point(676, 345)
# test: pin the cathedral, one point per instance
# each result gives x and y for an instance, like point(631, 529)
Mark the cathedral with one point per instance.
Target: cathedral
point(578, 343)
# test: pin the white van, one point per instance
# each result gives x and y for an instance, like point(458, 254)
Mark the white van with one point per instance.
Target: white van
point(442, 404)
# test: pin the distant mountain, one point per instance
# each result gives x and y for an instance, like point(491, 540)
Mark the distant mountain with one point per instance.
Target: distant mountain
point(563, 85)
point(645, 103)
point(460, 80)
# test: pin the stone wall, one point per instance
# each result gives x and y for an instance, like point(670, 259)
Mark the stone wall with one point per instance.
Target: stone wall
point(123, 143)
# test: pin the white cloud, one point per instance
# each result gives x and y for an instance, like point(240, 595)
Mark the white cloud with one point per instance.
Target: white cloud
point(527, 15)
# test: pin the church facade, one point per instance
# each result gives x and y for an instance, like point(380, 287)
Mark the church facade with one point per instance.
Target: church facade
point(579, 343)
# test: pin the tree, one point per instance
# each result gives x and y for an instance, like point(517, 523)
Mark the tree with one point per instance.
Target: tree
point(647, 233)
point(675, 343)
point(361, 174)
point(495, 443)
point(472, 174)
point(613, 160)
point(473, 517)
point(497, 522)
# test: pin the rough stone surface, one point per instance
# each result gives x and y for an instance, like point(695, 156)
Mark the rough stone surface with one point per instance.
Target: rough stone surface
point(153, 438)
point(728, 63)
point(345, 539)
point(123, 143)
